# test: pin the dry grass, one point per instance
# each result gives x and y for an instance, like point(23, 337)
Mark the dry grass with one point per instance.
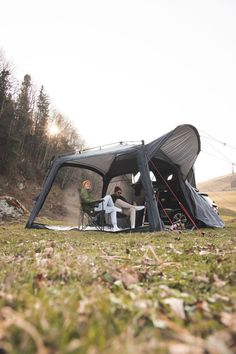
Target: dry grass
point(98, 293)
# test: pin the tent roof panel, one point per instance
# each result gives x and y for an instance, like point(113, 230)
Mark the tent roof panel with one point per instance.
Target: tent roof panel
point(102, 160)
point(181, 146)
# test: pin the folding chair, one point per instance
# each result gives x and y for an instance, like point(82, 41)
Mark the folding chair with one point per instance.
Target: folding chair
point(96, 218)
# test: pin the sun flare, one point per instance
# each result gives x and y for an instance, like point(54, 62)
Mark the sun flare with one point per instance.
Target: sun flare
point(53, 129)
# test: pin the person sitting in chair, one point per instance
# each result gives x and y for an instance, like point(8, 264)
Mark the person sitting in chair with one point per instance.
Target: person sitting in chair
point(127, 208)
point(106, 203)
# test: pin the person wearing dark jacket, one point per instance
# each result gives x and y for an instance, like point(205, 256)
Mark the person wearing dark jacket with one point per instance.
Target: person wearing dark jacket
point(127, 208)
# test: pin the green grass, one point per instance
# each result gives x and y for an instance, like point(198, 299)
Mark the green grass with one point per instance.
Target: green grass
point(80, 292)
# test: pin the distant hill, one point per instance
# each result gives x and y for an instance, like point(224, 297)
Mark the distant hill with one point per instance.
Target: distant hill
point(223, 183)
point(221, 191)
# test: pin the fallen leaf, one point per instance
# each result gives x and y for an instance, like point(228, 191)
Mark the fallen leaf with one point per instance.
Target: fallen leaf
point(218, 282)
point(201, 278)
point(202, 253)
point(220, 297)
point(129, 278)
point(229, 320)
point(219, 343)
point(181, 348)
point(202, 306)
point(48, 252)
point(177, 305)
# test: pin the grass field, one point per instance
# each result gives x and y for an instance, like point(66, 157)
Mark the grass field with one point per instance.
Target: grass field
point(79, 292)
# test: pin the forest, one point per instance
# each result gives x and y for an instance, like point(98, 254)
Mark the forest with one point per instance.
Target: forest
point(32, 131)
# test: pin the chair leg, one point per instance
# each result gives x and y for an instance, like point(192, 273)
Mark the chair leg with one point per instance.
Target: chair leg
point(103, 219)
point(144, 214)
point(94, 223)
point(107, 218)
point(81, 220)
point(90, 216)
point(101, 214)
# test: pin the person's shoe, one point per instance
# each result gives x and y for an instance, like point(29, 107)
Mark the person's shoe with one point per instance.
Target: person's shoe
point(115, 228)
point(139, 207)
point(118, 210)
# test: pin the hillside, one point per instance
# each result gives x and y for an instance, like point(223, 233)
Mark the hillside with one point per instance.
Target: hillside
point(218, 184)
point(220, 190)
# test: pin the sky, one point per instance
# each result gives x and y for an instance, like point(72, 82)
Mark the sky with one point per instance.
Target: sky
point(133, 70)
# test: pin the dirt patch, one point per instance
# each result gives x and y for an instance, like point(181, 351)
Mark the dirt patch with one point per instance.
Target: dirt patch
point(21, 189)
point(26, 192)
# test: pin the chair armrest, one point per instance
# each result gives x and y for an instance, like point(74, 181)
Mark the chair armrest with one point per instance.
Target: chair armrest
point(95, 202)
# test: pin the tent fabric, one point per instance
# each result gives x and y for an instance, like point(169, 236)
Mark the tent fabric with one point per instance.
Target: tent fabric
point(203, 210)
point(100, 160)
point(181, 146)
point(175, 151)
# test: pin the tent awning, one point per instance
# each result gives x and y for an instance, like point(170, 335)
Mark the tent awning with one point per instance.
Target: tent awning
point(181, 146)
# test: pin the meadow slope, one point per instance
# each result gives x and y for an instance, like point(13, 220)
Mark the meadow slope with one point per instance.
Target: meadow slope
point(220, 190)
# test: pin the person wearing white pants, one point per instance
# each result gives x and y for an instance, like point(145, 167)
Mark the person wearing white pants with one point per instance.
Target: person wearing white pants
point(109, 207)
point(127, 208)
point(105, 203)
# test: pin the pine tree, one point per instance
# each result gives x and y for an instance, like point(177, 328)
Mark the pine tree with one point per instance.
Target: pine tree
point(42, 113)
point(24, 112)
point(4, 88)
point(8, 143)
point(41, 125)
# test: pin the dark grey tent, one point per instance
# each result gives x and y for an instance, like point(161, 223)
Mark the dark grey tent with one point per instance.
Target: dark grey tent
point(172, 154)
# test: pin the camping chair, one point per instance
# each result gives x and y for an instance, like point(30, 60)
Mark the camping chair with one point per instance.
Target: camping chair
point(95, 218)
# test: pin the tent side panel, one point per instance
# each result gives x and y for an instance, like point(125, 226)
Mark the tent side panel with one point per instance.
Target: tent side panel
point(44, 192)
point(155, 223)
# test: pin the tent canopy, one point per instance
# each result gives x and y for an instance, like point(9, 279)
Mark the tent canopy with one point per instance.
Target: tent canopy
point(179, 147)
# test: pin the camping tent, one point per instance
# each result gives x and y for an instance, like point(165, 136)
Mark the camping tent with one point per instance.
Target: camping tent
point(170, 158)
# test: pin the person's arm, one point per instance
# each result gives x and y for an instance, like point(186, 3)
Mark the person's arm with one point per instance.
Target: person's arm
point(95, 202)
point(123, 198)
point(86, 198)
point(113, 197)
